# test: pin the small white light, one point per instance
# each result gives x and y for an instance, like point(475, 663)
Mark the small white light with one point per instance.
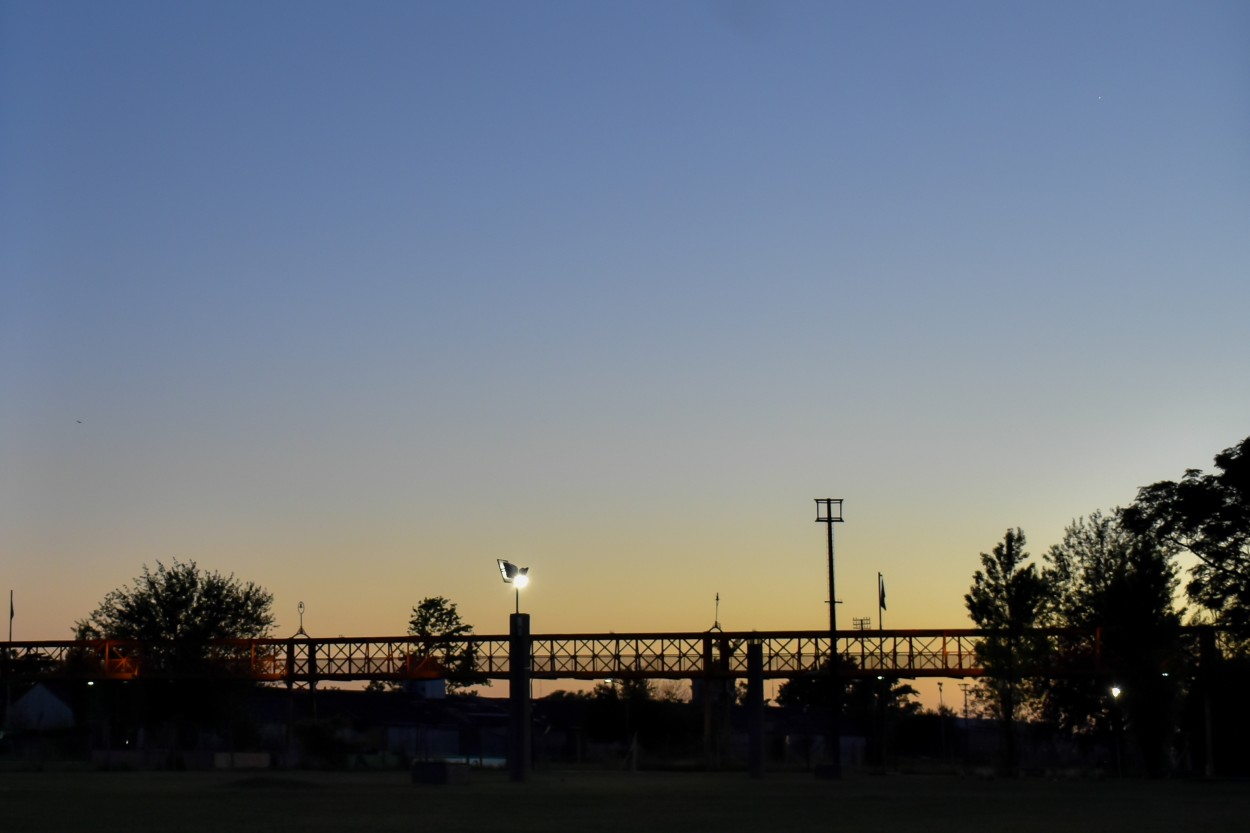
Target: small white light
point(1115, 691)
point(521, 580)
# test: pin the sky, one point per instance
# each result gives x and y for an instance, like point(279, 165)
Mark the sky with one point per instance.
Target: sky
point(350, 300)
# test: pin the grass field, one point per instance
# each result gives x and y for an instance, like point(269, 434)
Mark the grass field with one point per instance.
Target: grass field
point(104, 802)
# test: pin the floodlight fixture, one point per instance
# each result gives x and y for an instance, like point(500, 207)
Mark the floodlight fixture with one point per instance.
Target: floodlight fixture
point(518, 577)
point(828, 510)
point(513, 574)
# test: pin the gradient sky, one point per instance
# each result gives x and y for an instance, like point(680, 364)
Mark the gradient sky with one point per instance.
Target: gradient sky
point(352, 299)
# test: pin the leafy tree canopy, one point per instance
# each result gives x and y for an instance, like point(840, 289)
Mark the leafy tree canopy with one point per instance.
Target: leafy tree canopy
point(859, 696)
point(437, 616)
point(437, 620)
point(177, 611)
point(1102, 575)
point(812, 692)
point(633, 690)
point(1007, 600)
point(1007, 592)
point(1208, 515)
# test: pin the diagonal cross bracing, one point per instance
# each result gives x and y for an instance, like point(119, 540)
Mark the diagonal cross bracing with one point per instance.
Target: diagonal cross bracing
point(714, 654)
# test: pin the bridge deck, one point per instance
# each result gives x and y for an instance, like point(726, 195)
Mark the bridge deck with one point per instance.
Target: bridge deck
point(712, 654)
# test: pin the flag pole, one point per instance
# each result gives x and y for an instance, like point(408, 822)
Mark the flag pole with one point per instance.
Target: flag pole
point(5, 669)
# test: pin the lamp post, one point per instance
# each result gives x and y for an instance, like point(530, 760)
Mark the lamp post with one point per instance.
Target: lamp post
point(520, 659)
point(829, 512)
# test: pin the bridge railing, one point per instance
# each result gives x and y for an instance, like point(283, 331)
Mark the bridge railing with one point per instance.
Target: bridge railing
point(897, 653)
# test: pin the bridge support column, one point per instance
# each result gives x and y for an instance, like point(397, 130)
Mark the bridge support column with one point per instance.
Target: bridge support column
point(834, 769)
point(755, 709)
point(519, 673)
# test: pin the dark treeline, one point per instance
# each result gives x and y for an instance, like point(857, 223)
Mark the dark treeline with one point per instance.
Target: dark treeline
point(1158, 700)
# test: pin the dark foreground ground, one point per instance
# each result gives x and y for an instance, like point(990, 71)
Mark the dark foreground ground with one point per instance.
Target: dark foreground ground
point(108, 802)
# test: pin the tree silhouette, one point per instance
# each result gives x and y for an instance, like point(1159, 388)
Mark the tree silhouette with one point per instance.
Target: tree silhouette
point(177, 612)
point(631, 689)
point(816, 692)
point(1103, 576)
point(1006, 601)
point(861, 697)
point(1208, 515)
point(437, 620)
point(874, 706)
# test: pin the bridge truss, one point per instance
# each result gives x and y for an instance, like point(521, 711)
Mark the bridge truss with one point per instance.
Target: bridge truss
point(711, 654)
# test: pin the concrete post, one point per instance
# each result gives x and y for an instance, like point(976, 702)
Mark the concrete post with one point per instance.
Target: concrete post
point(755, 709)
point(519, 672)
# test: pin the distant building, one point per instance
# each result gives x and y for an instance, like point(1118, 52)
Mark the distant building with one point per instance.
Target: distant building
point(44, 708)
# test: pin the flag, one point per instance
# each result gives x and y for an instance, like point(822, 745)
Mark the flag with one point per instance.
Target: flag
point(880, 592)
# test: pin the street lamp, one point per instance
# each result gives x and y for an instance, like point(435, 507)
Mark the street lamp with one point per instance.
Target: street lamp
point(518, 577)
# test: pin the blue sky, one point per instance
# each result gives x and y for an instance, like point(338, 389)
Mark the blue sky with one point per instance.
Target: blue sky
point(352, 299)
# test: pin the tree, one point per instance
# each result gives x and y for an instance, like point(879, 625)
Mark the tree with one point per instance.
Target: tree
point(177, 612)
point(561, 694)
point(1103, 576)
point(625, 689)
point(672, 691)
point(875, 707)
point(1006, 601)
point(1208, 515)
point(875, 696)
point(815, 692)
point(438, 622)
point(860, 697)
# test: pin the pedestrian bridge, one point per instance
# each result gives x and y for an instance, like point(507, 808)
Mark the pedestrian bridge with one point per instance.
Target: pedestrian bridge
point(711, 654)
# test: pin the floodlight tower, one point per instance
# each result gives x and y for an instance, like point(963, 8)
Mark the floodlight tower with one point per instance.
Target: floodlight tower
point(829, 512)
point(520, 666)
